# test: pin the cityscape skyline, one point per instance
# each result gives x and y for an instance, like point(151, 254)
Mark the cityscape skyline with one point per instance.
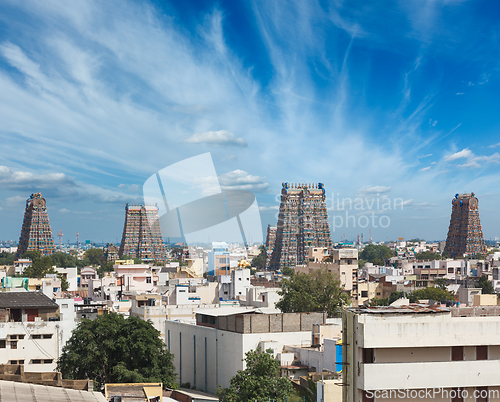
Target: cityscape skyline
point(378, 102)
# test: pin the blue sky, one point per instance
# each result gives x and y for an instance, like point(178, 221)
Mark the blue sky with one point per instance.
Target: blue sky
point(392, 99)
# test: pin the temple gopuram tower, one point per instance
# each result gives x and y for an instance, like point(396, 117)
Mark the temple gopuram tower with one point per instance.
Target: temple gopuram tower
point(465, 235)
point(302, 223)
point(36, 233)
point(142, 234)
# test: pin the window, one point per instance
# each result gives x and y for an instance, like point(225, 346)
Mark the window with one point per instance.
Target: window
point(457, 353)
point(13, 362)
point(36, 336)
point(378, 293)
point(64, 306)
point(481, 352)
point(36, 361)
point(482, 394)
point(148, 279)
point(47, 361)
point(20, 337)
point(13, 344)
point(47, 336)
point(2, 344)
point(21, 362)
point(13, 336)
point(364, 293)
point(368, 355)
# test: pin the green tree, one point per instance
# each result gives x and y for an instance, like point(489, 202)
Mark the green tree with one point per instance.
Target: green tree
point(485, 285)
point(428, 256)
point(287, 271)
point(317, 291)
point(441, 283)
point(7, 258)
point(94, 255)
point(63, 260)
point(430, 293)
point(259, 261)
point(259, 382)
point(40, 266)
point(114, 349)
point(106, 267)
point(376, 254)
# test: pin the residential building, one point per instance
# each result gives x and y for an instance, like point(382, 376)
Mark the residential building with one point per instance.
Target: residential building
point(219, 261)
point(29, 330)
point(415, 348)
point(208, 354)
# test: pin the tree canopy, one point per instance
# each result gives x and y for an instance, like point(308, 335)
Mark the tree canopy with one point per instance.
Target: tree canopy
point(428, 256)
point(430, 293)
point(259, 261)
point(376, 254)
point(317, 291)
point(7, 258)
point(485, 285)
point(259, 382)
point(93, 255)
point(112, 348)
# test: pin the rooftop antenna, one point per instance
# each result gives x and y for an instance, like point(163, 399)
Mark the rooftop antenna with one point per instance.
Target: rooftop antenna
point(77, 234)
point(60, 235)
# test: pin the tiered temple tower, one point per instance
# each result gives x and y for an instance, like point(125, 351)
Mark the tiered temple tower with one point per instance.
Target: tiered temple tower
point(110, 253)
point(465, 235)
point(142, 234)
point(302, 223)
point(270, 242)
point(36, 233)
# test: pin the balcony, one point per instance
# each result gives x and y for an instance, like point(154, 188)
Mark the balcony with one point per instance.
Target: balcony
point(454, 374)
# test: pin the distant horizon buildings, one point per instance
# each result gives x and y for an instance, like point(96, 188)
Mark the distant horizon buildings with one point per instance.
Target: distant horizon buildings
point(302, 223)
point(142, 234)
point(36, 233)
point(465, 234)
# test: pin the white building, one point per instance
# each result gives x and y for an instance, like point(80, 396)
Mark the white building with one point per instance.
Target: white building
point(71, 275)
point(29, 332)
point(209, 354)
point(417, 348)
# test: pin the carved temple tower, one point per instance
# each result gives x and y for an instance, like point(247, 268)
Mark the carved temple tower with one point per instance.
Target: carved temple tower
point(302, 223)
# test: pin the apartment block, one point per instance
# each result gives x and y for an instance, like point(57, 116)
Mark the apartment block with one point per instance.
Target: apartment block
point(413, 348)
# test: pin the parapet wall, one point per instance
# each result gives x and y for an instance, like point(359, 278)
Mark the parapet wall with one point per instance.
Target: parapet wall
point(15, 372)
point(264, 323)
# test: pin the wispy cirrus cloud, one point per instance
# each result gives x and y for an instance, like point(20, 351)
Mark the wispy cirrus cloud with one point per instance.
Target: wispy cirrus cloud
point(222, 138)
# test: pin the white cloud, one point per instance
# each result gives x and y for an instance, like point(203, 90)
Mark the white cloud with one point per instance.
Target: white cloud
point(56, 185)
point(372, 190)
point(460, 93)
point(15, 200)
point(22, 180)
point(470, 165)
point(424, 169)
point(222, 138)
point(229, 158)
point(133, 188)
point(494, 145)
point(264, 208)
point(464, 153)
point(241, 180)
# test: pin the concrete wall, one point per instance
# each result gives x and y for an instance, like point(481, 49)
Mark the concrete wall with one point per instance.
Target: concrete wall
point(29, 348)
point(215, 364)
point(262, 323)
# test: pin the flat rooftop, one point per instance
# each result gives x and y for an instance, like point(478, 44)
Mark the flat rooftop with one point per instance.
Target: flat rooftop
point(413, 308)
